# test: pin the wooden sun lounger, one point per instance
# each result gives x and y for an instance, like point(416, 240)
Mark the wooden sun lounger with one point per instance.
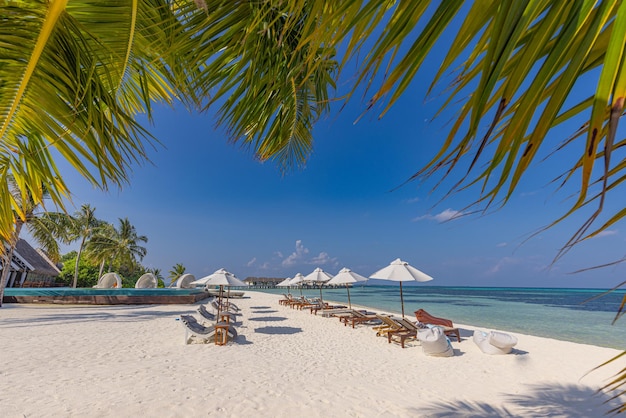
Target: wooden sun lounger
point(448, 327)
point(332, 311)
point(358, 317)
point(388, 324)
point(206, 334)
point(325, 307)
point(408, 330)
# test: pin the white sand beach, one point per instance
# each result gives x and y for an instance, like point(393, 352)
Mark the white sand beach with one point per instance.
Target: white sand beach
point(123, 361)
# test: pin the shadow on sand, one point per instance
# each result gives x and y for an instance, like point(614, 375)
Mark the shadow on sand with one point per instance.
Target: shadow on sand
point(79, 314)
point(278, 330)
point(268, 318)
point(542, 400)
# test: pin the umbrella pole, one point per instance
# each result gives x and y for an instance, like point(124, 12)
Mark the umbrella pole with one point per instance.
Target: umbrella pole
point(321, 298)
point(348, 289)
point(402, 300)
point(219, 304)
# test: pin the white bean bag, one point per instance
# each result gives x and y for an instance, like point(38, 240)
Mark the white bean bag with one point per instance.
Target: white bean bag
point(434, 342)
point(494, 342)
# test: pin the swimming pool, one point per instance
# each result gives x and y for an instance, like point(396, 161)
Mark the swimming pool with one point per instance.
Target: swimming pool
point(90, 296)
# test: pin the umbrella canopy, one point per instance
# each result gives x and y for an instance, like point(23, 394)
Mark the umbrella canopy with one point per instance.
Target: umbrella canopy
point(284, 283)
point(318, 277)
point(297, 281)
point(401, 271)
point(347, 277)
point(221, 278)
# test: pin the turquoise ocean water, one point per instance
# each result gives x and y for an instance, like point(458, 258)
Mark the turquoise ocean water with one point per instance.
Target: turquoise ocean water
point(562, 314)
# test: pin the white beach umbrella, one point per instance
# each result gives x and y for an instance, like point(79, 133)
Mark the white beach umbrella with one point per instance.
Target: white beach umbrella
point(285, 283)
point(318, 277)
point(347, 277)
point(297, 281)
point(401, 271)
point(221, 278)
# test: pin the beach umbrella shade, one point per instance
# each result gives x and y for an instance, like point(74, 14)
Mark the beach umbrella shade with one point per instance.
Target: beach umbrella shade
point(347, 277)
point(221, 278)
point(297, 281)
point(285, 283)
point(318, 277)
point(401, 271)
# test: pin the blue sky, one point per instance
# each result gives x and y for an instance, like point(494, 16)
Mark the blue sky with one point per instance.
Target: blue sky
point(207, 204)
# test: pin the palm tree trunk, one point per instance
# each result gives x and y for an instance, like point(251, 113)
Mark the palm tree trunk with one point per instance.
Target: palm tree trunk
point(101, 269)
point(80, 250)
point(6, 262)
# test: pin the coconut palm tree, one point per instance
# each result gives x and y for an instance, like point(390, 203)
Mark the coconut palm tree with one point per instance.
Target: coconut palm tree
point(79, 226)
point(177, 271)
point(120, 246)
point(76, 81)
point(31, 217)
point(101, 247)
point(73, 83)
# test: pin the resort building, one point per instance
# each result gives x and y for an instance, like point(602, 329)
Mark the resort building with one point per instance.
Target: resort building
point(30, 267)
point(263, 282)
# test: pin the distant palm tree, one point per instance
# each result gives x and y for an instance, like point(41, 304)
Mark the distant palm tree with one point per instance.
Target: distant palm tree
point(80, 226)
point(157, 274)
point(177, 271)
point(117, 245)
point(101, 247)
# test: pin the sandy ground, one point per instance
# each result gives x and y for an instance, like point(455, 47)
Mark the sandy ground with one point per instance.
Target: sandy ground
point(123, 361)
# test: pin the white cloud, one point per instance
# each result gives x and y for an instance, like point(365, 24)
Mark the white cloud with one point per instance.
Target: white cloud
point(251, 262)
point(444, 216)
point(297, 255)
point(279, 254)
point(323, 259)
point(502, 244)
point(301, 256)
point(413, 200)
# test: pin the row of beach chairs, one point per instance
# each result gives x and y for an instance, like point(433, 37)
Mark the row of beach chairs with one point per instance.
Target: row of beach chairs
point(216, 323)
point(433, 333)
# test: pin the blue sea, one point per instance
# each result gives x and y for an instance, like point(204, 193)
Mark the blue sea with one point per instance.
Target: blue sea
point(563, 314)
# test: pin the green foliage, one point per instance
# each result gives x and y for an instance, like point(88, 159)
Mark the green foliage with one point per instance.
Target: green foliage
point(87, 272)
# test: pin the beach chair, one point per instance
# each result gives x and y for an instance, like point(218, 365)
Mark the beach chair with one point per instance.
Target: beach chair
point(331, 311)
point(227, 306)
point(223, 310)
point(327, 308)
point(195, 330)
point(408, 330)
point(109, 281)
point(286, 299)
point(358, 317)
point(147, 281)
point(211, 317)
point(447, 325)
point(388, 324)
